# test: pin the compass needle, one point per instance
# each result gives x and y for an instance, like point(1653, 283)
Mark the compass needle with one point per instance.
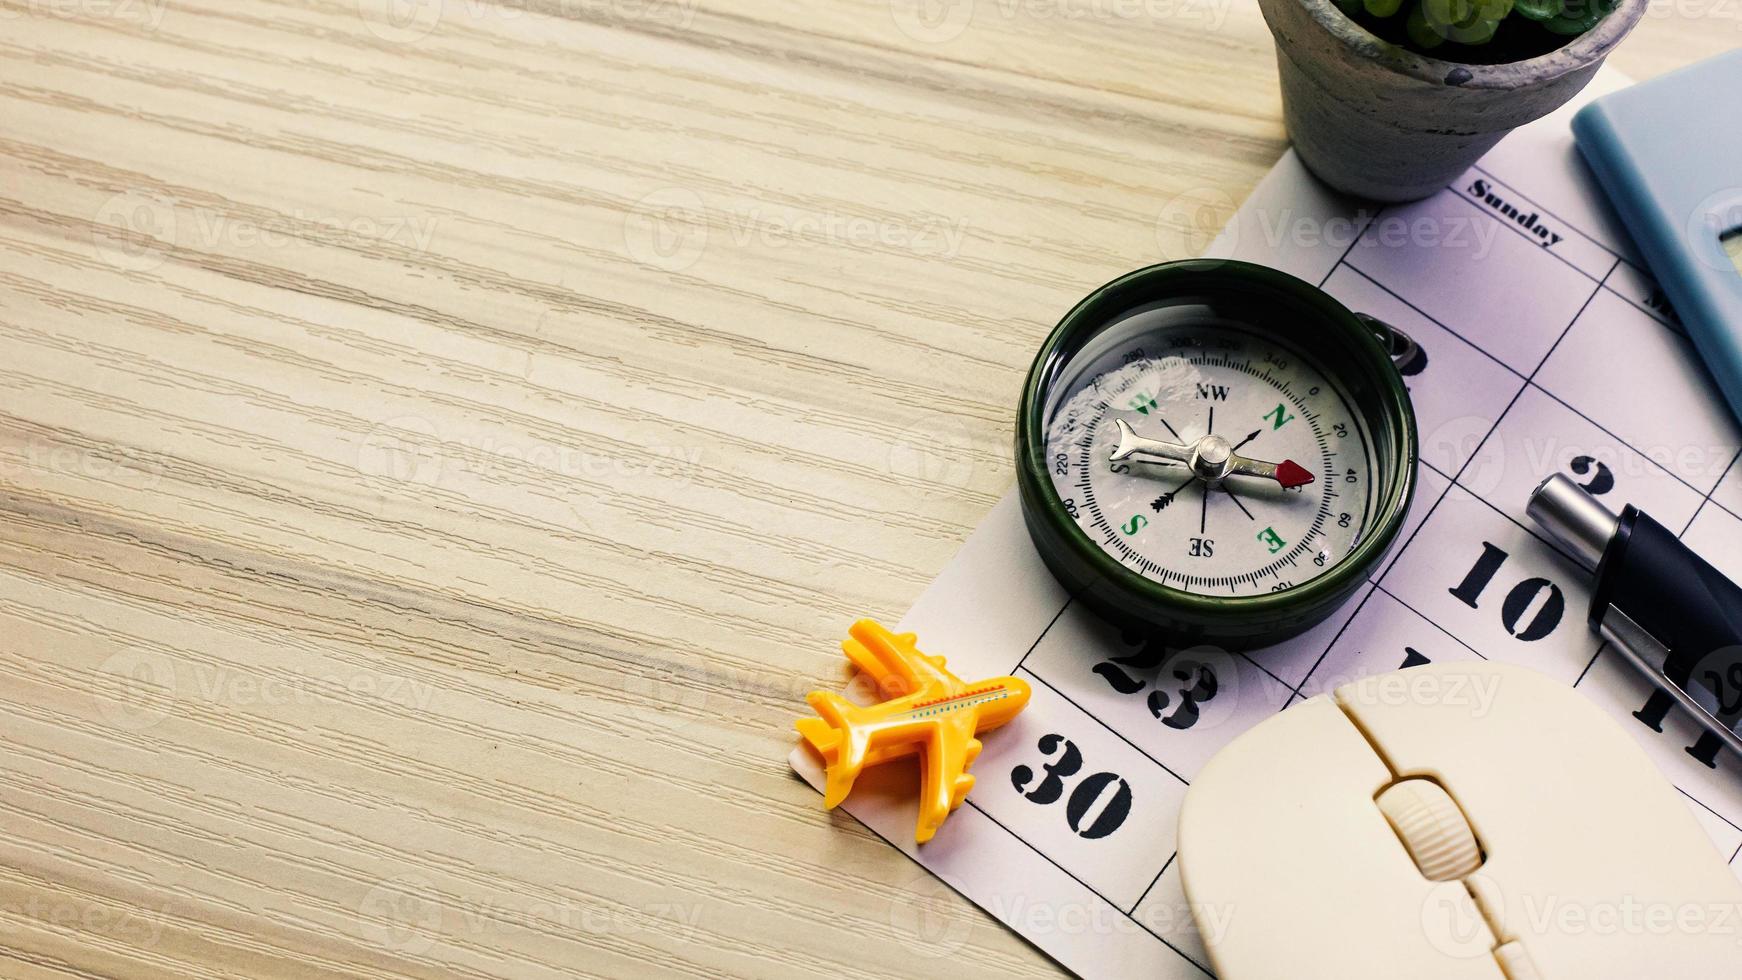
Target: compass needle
point(1211, 458)
point(1131, 445)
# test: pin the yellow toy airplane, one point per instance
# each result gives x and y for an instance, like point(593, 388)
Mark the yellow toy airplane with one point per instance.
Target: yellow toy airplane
point(928, 707)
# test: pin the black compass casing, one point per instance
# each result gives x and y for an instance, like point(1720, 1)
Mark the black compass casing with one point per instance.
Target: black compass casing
point(1296, 313)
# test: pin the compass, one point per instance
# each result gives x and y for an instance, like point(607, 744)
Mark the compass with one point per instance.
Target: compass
point(1215, 449)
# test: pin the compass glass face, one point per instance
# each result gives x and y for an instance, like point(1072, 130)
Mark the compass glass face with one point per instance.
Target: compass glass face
point(1208, 454)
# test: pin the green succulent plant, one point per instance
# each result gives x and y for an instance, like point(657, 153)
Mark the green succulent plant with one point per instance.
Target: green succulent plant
point(1430, 23)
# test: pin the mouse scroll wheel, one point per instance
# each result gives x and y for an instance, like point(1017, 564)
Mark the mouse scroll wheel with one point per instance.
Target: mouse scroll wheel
point(1432, 827)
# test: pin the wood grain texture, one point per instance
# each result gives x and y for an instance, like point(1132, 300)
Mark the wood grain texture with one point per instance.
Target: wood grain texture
point(440, 444)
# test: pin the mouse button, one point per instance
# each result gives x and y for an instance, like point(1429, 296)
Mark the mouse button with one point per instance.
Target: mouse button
point(1280, 831)
point(1432, 828)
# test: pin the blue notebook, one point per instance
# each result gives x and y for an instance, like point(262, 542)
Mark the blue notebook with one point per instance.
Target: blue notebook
point(1669, 154)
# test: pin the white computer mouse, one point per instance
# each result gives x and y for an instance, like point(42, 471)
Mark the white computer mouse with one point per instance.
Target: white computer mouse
point(1460, 820)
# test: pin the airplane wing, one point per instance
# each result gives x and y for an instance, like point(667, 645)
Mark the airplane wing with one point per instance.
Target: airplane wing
point(893, 661)
point(943, 779)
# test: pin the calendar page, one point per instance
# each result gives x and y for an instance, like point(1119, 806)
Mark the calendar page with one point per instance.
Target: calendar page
point(1544, 347)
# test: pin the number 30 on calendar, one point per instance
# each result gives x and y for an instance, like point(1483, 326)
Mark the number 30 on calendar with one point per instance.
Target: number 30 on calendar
point(1095, 805)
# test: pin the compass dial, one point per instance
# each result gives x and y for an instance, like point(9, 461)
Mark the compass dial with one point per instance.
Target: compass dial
point(1219, 391)
point(1216, 450)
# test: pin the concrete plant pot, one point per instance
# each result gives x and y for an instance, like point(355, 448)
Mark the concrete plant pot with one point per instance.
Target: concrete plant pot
point(1378, 121)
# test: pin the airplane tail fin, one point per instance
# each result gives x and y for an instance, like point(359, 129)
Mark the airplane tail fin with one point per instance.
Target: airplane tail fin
point(836, 736)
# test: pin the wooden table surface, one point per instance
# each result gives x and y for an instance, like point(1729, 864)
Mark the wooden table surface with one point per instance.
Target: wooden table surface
point(440, 445)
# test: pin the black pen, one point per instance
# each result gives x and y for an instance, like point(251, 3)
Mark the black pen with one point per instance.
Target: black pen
point(1662, 607)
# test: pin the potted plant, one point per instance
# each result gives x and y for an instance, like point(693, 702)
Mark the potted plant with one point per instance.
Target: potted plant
point(1393, 99)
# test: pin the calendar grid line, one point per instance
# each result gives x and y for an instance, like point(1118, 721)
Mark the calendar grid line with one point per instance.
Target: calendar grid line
point(1374, 587)
point(1708, 498)
point(1520, 233)
point(1116, 733)
point(1531, 379)
point(1139, 923)
point(1602, 646)
point(1592, 662)
point(1243, 655)
point(1672, 474)
point(1707, 808)
point(1354, 240)
point(1553, 545)
point(1660, 319)
point(1431, 622)
point(1153, 882)
point(1433, 320)
point(1049, 625)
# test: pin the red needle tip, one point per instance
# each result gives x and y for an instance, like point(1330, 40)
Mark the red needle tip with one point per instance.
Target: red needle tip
point(1291, 474)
